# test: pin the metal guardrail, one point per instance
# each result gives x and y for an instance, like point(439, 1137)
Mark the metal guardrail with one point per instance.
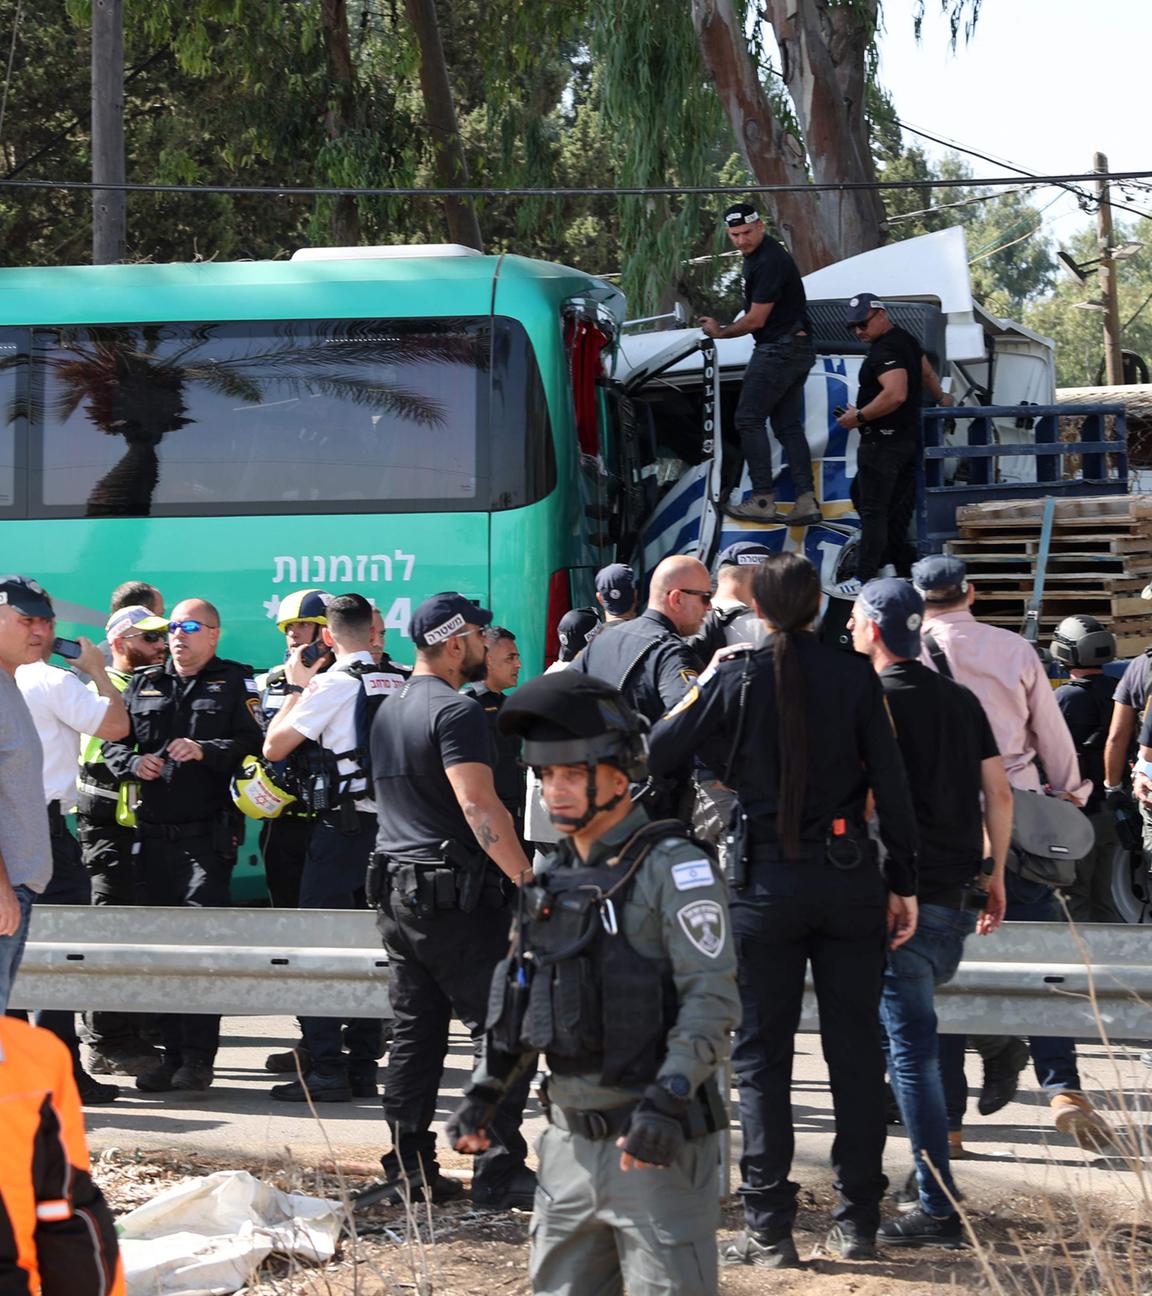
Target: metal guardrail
point(1028, 978)
point(1103, 468)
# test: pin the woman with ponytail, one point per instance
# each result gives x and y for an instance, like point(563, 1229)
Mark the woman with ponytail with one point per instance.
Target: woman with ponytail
point(803, 734)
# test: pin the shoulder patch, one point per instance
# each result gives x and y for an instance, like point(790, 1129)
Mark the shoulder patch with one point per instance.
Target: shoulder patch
point(702, 922)
point(689, 698)
point(253, 705)
point(689, 676)
point(692, 874)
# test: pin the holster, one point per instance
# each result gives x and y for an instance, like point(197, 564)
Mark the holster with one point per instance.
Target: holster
point(376, 881)
point(469, 868)
point(736, 859)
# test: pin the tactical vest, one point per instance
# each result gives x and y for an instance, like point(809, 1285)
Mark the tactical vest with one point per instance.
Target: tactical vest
point(97, 791)
point(574, 987)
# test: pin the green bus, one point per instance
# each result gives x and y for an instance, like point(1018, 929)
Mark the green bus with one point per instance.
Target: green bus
point(392, 421)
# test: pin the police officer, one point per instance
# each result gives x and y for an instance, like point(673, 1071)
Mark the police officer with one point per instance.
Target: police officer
point(803, 728)
point(136, 638)
point(622, 973)
point(649, 662)
point(332, 710)
point(616, 592)
point(193, 721)
point(447, 856)
point(501, 673)
point(732, 618)
point(1083, 645)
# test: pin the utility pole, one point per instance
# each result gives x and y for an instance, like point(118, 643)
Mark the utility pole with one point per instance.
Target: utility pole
point(108, 130)
point(1113, 360)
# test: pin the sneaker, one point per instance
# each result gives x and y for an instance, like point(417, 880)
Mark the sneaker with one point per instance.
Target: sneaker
point(762, 1250)
point(294, 1061)
point(760, 506)
point(916, 1228)
point(196, 1077)
point(320, 1088)
point(850, 1242)
point(396, 1189)
point(845, 589)
point(517, 1192)
point(907, 1196)
point(1075, 1115)
point(157, 1079)
point(127, 1061)
point(92, 1092)
point(805, 512)
point(1002, 1077)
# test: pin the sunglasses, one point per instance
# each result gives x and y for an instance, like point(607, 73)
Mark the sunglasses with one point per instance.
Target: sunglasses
point(149, 636)
point(706, 595)
point(189, 627)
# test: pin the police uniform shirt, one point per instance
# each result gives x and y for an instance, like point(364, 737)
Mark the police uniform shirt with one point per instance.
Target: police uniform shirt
point(851, 747)
point(944, 735)
point(326, 713)
point(652, 679)
point(425, 729)
point(62, 709)
point(770, 275)
point(896, 349)
point(217, 708)
point(506, 771)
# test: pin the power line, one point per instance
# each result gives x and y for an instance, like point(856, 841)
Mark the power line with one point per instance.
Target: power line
point(569, 191)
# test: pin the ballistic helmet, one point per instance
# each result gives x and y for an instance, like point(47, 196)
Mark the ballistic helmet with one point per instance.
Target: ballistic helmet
point(303, 605)
point(1082, 641)
point(255, 790)
point(569, 718)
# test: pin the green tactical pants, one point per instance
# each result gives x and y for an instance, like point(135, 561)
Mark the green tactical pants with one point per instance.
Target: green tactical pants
point(597, 1230)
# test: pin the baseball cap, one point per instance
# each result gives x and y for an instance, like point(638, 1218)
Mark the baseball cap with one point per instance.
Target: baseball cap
point(575, 629)
point(616, 585)
point(860, 306)
point(744, 553)
point(940, 578)
point(25, 596)
point(742, 213)
point(445, 615)
point(897, 608)
point(133, 618)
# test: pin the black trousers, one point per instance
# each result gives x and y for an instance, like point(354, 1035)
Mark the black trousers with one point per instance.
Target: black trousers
point(790, 914)
point(69, 885)
point(333, 878)
point(284, 848)
point(106, 851)
point(192, 872)
point(441, 967)
point(884, 493)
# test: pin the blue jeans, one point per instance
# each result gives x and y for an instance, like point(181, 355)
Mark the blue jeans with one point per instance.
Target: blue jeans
point(908, 1013)
point(12, 947)
point(773, 388)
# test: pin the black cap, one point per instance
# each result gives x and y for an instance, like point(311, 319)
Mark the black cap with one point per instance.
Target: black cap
point(444, 615)
point(740, 214)
point(575, 629)
point(25, 596)
point(897, 607)
point(616, 585)
point(861, 306)
point(744, 553)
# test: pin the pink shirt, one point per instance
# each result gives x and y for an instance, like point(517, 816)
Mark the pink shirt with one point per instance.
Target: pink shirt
point(1005, 673)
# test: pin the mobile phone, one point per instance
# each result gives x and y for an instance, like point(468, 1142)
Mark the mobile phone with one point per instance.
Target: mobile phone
point(839, 410)
point(311, 653)
point(66, 648)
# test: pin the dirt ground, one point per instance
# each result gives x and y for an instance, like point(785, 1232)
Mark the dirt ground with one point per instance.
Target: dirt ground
point(1026, 1246)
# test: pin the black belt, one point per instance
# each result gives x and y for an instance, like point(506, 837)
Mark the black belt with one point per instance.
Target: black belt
point(176, 832)
point(698, 1119)
point(963, 897)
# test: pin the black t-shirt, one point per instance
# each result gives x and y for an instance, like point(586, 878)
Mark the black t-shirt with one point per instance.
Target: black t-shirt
point(425, 728)
point(896, 349)
point(944, 736)
point(1086, 705)
point(770, 275)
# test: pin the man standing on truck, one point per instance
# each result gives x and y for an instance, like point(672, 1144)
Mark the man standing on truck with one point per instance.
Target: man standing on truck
point(887, 415)
point(775, 314)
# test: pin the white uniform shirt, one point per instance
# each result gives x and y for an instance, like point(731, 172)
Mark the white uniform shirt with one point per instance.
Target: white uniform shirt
point(327, 712)
point(62, 709)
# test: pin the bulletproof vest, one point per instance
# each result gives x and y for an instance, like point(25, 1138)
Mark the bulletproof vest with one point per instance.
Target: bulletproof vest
point(1100, 688)
point(574, 988)
point(97, 789)
point(617, 656)
point(376, 683)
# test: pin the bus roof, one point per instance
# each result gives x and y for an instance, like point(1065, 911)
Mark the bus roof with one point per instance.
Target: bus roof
point(371, 287)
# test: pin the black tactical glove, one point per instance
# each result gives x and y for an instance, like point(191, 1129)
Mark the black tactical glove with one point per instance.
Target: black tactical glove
point(472, 1116)
point(656, 1131)
point(1127, 818)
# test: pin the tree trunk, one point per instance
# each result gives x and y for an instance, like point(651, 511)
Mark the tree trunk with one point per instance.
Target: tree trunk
point(108, 205)
point(340, 115)
point(447, 149)
point(827, 89)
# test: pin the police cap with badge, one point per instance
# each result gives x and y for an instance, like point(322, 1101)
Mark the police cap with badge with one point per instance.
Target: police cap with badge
point(744, 553)
point(443, 616)
point(25, 597)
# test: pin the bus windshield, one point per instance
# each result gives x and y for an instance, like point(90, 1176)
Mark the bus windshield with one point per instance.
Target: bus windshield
point(176, 419)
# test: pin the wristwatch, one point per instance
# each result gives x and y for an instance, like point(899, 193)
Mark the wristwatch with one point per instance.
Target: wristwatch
point(861, 421)
point(293, 688)
point(677, 1087)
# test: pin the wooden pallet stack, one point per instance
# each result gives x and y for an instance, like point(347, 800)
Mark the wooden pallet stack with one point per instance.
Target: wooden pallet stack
point(1100, 559)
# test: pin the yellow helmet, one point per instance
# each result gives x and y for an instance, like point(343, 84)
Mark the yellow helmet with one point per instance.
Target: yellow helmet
point(255, 791)
point(303, 605)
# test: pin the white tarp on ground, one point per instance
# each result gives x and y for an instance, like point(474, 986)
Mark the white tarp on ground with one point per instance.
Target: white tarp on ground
point(208, 1236)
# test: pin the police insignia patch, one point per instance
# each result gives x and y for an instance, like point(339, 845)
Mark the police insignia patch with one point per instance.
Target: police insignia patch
point(703, 924)
point(253, 705)
point(689, 676)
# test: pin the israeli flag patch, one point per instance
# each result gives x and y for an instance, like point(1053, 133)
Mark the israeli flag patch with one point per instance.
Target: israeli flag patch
point(692, 874)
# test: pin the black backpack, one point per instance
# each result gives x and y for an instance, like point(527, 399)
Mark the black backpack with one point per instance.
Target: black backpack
point(376, 683)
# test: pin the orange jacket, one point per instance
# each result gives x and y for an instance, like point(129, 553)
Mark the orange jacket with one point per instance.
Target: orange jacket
point(56, 1232)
